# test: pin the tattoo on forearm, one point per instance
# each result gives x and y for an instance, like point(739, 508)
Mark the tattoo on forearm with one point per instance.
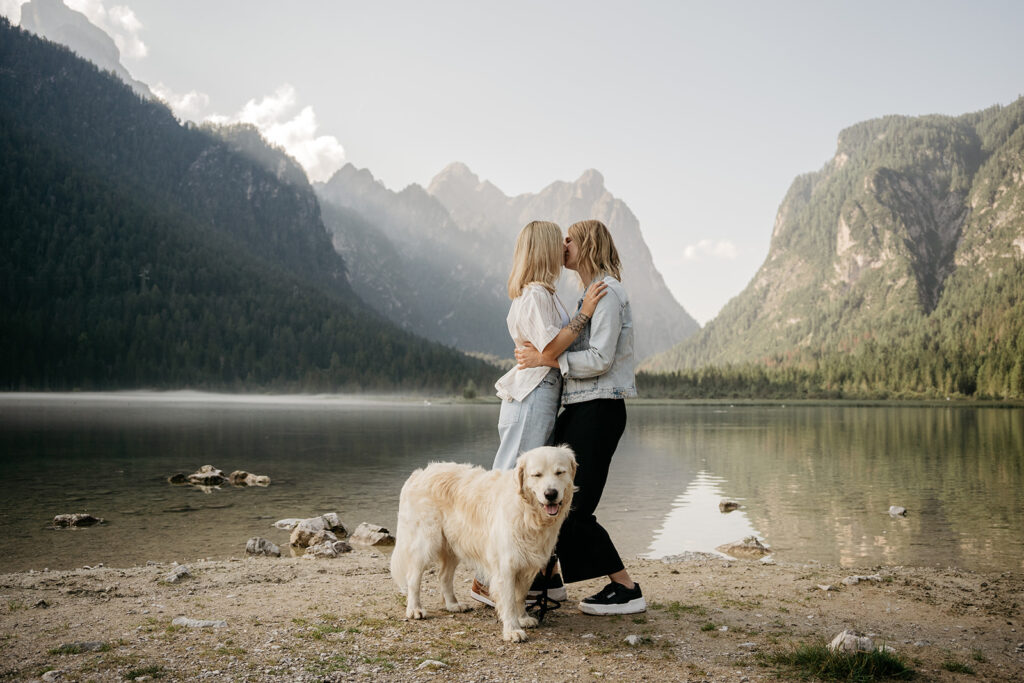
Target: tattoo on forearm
point(578, 323)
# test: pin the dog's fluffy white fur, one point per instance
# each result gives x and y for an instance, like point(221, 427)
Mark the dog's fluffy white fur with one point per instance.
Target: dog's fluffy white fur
point(504, 523)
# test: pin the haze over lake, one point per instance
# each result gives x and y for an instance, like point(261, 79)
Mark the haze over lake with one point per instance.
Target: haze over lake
point(815, 482)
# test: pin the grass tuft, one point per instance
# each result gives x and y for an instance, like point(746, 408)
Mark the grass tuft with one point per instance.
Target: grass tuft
point(958, 667)
point(817, 661)
point(155, 671)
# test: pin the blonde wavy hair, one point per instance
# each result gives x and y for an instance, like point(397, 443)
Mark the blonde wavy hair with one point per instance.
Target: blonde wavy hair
point(537, 258)
point(595, 249)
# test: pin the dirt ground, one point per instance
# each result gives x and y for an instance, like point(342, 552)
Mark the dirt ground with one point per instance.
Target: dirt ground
point(708, 619)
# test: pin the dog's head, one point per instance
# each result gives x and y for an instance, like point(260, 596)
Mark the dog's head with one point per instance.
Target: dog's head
point(545, 477)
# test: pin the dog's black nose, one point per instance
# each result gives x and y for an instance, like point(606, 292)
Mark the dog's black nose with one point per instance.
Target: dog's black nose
point(551, 494)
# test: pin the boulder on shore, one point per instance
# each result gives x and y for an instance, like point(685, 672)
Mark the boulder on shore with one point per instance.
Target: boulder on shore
point(305, 530)
point(749, 548)
point(371, 534)
point(75, 519)
point(243, 478)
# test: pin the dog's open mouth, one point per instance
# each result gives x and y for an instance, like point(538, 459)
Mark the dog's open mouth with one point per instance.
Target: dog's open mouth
point(552, 508)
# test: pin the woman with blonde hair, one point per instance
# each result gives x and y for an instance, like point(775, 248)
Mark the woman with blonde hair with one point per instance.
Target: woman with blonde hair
point(598, 370)
point(530, 397)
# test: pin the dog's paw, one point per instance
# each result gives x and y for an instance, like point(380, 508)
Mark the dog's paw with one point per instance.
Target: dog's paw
point(514, 635)
point(528, 622)
point(457, 607)
point(414, 613)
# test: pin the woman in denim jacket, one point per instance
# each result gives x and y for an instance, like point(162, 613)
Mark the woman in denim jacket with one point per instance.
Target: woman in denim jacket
point(530, 396)
point(598, 370)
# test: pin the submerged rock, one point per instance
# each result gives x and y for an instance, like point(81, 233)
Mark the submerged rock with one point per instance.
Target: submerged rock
point(261, 546)
point(178, 478)
point(371, 534)
point(728, 506)
point(75, 519)
point(749, 547)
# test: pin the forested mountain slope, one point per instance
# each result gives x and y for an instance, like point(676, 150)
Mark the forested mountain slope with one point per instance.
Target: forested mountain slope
point(140, 252)
point(898, 267)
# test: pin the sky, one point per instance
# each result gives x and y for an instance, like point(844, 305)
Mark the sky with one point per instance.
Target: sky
point(699, 115)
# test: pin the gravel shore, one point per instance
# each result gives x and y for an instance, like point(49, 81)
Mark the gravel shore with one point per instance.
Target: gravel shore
point(709, 619)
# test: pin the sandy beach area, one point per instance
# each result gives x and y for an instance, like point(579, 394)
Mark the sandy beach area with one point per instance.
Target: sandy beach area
point(709, 619)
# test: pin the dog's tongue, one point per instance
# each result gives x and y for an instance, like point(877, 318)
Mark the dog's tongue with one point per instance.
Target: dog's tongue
point(551, 509)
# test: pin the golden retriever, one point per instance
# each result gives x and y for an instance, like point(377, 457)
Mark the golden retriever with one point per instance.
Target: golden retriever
point(503, 522)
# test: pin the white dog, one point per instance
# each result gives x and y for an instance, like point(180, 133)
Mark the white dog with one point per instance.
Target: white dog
point(503, 522)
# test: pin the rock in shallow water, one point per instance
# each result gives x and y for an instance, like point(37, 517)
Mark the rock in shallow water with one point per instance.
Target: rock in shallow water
point(749, 547)
point(75, 519)
point(261, 546)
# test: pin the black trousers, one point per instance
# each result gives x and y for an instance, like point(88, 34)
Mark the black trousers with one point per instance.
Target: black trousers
point(592, 429)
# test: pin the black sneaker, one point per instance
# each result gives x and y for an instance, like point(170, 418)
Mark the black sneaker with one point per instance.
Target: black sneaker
point(615, 599)
point(556, 589)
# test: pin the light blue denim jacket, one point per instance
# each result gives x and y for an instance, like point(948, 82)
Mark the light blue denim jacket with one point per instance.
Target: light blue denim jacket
point(599, 363)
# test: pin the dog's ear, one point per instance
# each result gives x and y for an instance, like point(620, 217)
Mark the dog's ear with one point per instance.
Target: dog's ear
point(572, 459)
point(521, 478)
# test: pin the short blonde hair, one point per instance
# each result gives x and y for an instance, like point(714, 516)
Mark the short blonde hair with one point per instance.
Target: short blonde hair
point(537, 258)
point(596, 249)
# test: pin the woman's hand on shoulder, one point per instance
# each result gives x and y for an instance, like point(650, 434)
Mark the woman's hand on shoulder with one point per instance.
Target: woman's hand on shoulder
point(595, 293)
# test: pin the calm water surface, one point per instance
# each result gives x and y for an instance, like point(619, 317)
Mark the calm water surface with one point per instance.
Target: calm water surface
point(815, 482)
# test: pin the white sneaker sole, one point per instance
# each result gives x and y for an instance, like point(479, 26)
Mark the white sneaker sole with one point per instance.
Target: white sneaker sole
point(481, 598)
point(558, 594)
point(632, 607)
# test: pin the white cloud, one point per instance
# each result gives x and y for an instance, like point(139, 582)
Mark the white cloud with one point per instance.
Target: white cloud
point(722, 249)
point(190, 105)
point(12, 9)
point(320, 156)
point(119, 22)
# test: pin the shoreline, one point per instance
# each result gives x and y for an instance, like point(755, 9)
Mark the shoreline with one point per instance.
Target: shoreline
point(303, 619)
point(193, 396)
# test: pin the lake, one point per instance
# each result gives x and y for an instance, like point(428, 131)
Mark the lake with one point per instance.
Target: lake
point(815, 482)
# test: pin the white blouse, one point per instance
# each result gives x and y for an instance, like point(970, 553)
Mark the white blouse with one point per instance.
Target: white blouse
point(536, 316)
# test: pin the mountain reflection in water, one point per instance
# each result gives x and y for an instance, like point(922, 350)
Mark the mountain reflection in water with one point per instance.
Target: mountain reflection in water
point(815, 482)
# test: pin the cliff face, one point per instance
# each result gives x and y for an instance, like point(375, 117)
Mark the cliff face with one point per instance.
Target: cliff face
point(868, 247)
point(481, 208)
point(449, 249)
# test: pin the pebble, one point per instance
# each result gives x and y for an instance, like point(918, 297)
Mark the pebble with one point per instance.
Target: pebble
point(199, 623)
point(177, 574)
point(632, 640)
point(431, 664)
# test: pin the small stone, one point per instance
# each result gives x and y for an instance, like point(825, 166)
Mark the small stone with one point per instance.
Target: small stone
point(854, 580)
point(199, 623)
point(826, 587)
point(769, 560)
point(431, 664)
point(897, 511)
point(304, 531)
point(748, 646)
point(632, 640)
point(587, 636)
point(371, 534)
point(327, 549)
point(53, 675)
point(261, 546)
point(750, 547)
point(851, 642)
point(40, 604)
point(728, 506)
point(177, 574)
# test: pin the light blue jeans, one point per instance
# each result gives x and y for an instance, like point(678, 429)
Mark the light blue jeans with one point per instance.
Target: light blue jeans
point(527, 424)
